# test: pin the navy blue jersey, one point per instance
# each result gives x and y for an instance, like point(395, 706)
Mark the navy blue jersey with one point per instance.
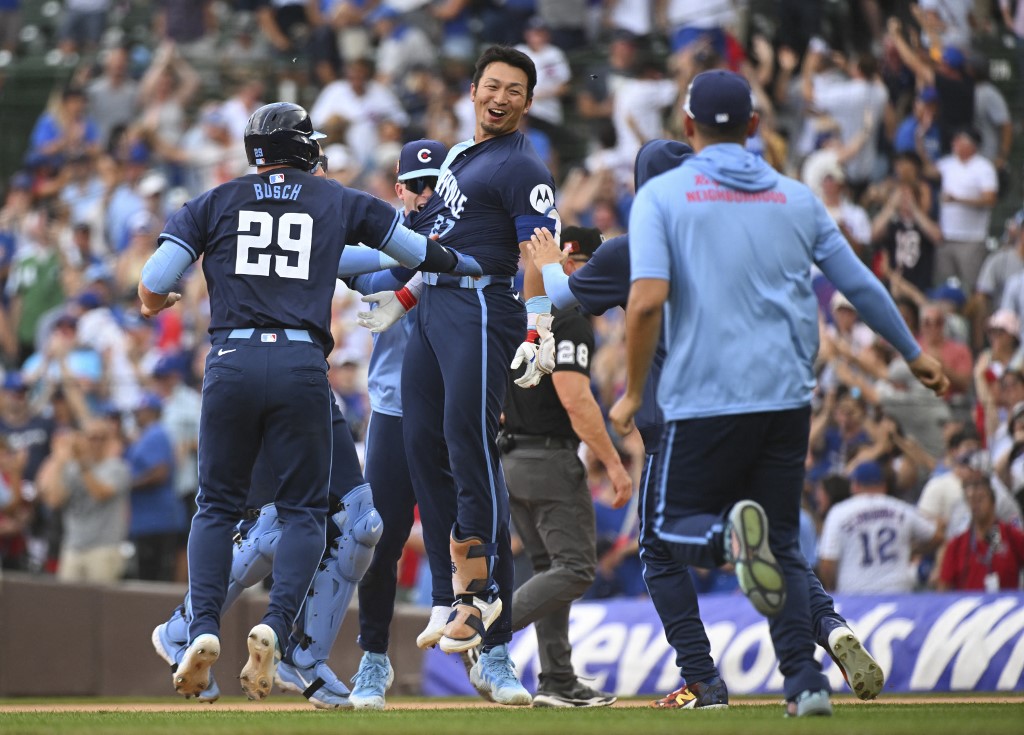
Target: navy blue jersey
point(272, 242)
point(602, 284)
point(489, 198)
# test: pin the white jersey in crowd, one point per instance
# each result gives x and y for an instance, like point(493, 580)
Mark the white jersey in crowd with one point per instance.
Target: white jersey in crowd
point(635, 16)
point(870, 537)
point(552, 72)
point(701, 13)
point(966, 180)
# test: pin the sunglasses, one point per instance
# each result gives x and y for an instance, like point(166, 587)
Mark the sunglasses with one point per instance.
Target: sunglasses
point(420, 184)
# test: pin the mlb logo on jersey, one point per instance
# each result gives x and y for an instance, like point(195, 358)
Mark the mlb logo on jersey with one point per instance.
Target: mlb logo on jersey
point(269, 337)
point(276, 178)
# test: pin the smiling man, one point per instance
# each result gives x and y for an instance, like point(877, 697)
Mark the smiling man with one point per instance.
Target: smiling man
point(492, 191)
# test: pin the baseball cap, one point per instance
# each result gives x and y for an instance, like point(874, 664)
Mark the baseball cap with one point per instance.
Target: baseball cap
point(152, 183)
point(719, 97)
point(1005, 320)
point(382, 12)
point(839, 301)
point(929, 94)
point(948, 292)
point(537, 23)
point(581, 240)
point(149, 401)
point(970, 131)
point(421, 158)
point(166, 365)
point(953, 57)
point(66, 320)
point(867, 473)
point(14, 381)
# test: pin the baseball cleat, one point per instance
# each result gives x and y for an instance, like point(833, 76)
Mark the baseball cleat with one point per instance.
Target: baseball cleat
point(257, 677)
point(860, 670)
point(576, 694)
point(468, 623)
point(435, 627)
point(317, 683)
point(192, 676)
point(171, 651)
point(710, 694)
point(810, 703)
point(374, 677)
point(759, 574)
point(494, 676)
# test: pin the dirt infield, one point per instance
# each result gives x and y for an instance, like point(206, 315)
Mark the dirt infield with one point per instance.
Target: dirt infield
point(291, 705)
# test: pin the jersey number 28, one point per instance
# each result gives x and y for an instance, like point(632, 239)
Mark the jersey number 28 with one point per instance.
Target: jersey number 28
point(255, 232)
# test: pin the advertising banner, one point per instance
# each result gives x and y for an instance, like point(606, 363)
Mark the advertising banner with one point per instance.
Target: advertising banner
point(924, 642)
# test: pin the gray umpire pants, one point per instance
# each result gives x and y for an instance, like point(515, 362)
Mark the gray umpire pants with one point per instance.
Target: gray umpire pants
point(554, 516)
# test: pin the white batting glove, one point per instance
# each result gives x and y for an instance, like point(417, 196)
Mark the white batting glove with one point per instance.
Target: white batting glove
point(391, 306)
point(537, 352)
point(546, 344)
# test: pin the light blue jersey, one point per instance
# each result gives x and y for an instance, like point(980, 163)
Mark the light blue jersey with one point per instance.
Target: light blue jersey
point(736, 240)
point(384, 373)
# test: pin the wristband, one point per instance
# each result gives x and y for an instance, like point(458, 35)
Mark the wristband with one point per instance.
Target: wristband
point(538, 305)
point(406, 298)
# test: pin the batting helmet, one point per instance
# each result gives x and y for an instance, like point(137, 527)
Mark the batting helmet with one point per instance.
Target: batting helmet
point(281, 132)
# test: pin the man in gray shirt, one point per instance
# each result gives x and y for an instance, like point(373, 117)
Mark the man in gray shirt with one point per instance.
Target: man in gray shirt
point(86, 477)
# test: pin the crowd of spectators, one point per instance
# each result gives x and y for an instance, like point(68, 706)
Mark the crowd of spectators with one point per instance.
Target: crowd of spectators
point(883, 107)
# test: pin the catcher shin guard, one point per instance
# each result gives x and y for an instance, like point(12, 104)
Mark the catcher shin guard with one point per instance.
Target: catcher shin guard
point(337, 578)
point(252, 560)
point(253, 557)
point(471, 577)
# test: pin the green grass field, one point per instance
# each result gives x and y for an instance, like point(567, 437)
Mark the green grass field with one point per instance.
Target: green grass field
point(929, 717)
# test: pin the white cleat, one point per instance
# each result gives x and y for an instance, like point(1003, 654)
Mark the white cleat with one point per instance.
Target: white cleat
point(192, 677)
point(435, 627)
point(257, 677)
point(489, 612)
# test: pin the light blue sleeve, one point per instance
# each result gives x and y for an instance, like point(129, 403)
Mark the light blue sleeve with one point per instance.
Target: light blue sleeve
point(649, 249)
point(165, 266)
point(407, 247)
point(556, 286)
point(359, 259)
point(872, 301)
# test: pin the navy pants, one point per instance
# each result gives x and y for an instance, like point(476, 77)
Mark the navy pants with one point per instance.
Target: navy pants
point(454, 379)
point(272, 396)
point(706, 466)
point(675, 599)
point(387, 471)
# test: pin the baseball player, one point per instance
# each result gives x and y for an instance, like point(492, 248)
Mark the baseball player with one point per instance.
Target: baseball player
point(272, 243)
point(736, 391)
point(493, 190)
point(387, 469)
point(353, 528)
point(602, 284)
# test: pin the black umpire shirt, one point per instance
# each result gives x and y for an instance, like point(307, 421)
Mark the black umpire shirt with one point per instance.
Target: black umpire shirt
point(538, 411)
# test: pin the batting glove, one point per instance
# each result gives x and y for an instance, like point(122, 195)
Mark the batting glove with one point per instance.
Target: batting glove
point(391, 306)
point(537, 352)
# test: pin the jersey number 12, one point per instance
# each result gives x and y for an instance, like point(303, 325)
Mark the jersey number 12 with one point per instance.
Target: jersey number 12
point(255, 232)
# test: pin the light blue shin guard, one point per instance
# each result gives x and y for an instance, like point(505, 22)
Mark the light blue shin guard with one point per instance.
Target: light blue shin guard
point(337, 579)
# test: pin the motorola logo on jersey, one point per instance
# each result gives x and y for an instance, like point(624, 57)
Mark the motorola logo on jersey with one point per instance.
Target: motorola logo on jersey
point(542, 198)
point(423, 155)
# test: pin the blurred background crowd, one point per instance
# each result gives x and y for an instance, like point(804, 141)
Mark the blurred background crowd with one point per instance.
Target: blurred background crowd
point(902, 116)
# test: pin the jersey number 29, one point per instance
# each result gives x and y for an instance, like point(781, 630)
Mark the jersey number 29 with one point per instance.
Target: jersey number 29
point(255, 232)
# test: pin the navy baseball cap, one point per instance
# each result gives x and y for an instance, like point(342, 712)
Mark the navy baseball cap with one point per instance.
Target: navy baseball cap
point(421, 158)
point(14, 381)
point(581, 240)
point(867, 473)
point(720, 98)
point(149, 402)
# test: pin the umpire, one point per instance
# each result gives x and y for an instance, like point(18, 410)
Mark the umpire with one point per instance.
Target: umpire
point(550, 501)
